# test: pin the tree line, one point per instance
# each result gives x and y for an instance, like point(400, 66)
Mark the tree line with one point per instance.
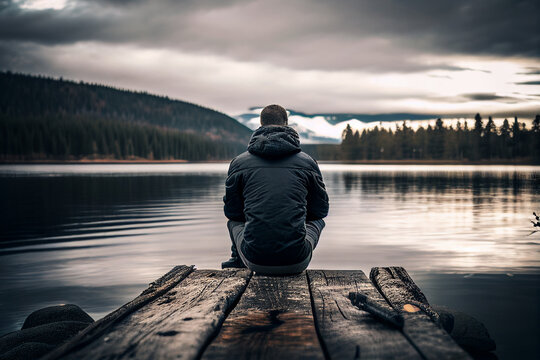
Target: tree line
point(54, 119)
point(69, 138)
point(39, 96)
point(482, 142)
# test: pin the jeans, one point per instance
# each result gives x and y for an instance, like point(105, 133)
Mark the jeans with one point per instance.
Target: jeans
point(313, 231)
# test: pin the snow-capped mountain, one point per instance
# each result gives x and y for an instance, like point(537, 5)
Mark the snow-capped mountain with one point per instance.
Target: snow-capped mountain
point(312, 129)
point(328, 127)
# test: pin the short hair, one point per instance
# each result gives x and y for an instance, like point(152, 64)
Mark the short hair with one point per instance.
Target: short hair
point(273, 115)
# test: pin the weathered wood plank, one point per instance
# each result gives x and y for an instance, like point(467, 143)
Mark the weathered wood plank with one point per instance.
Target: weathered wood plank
point(348, 332)
point(273, 320)
point(177, 325)
point(401, 292)
point(156, 289)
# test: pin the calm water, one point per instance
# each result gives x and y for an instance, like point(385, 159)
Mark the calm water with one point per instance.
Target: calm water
point(96, 235)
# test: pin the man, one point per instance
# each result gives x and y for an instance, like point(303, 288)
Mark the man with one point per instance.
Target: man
point(275, 200)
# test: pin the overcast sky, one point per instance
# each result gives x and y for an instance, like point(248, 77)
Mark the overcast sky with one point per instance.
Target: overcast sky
point(380, 56)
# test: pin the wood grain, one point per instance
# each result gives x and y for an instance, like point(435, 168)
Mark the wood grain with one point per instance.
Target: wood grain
point(156, 289)
point(177, 325)
point(348, 332)
point(397, 287)
point(273, 320)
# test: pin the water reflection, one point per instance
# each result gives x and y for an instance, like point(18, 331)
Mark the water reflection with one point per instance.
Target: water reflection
point(95, 235)
point(435, 182)
point(446, 218)
point(436, 219)
point(41, 210)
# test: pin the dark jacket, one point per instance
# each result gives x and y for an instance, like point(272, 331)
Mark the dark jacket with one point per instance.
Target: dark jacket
point(275, 188)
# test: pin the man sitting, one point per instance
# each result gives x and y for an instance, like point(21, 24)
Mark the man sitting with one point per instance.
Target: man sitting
point(275, 200)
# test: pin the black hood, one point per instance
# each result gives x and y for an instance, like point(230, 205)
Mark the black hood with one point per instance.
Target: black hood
point(274, 142)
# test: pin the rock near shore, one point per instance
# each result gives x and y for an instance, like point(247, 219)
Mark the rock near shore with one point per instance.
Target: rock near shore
point(42, 331)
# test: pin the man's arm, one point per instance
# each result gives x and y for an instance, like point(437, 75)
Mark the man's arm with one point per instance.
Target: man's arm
point(317, 199)
point(233, 199)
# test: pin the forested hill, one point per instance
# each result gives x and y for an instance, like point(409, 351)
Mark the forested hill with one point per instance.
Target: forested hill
point(50, 118)
point(25, 95)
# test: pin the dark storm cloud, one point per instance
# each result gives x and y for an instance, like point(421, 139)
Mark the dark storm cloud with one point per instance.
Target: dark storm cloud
point(22, 56)
point(487, 97)
point(46, 27)
point(384, 35)
point(480, 97)
point(531, 71)
point(123, 21)
point(535, 82)
point(506, 28)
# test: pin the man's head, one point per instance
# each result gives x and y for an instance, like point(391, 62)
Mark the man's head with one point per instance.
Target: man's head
point(274, 115)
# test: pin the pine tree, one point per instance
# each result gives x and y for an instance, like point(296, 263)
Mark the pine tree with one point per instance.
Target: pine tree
point(535, 143)
point(476, 138)
point(516, 137)
point(504, 140)
point(347, 143)
point(488, 139)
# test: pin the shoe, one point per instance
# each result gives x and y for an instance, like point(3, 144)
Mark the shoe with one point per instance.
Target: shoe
point(233, 262)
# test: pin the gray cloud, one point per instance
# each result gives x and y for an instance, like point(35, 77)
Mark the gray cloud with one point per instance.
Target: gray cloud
point(480, 97)
point(375, 36)
point(488, 97)
point(317, 56)
point(531, 71)
point(440, 76)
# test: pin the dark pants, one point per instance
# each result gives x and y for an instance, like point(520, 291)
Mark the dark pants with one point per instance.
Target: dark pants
point(313, 231)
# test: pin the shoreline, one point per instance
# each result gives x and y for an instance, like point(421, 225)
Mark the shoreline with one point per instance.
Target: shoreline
point(349, 162)
point(431, 162)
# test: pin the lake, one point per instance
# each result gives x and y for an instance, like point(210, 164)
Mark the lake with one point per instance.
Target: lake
point(97, 234)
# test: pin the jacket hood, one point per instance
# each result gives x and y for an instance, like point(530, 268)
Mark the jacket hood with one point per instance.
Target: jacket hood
point(274, 142)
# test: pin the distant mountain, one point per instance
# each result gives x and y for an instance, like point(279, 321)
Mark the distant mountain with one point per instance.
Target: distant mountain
point(36, 96)
point(336, 118)
point(328, 127)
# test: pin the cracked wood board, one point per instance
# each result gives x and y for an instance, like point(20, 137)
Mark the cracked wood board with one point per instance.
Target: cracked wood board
point(156, 289)
point(346, 331)
point(273, 320)
point(397, 287)
point(176, 325)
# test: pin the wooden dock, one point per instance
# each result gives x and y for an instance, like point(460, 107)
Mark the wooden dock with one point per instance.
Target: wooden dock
point(235, 314)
